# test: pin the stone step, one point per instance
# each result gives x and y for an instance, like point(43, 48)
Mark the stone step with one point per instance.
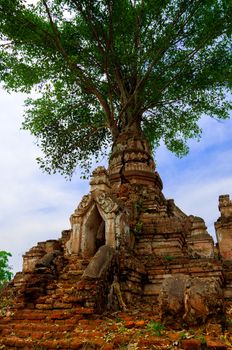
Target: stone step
point(13, 343)
point(125, 330)
point(42, 327)
point(181, 261)
point(152, 276)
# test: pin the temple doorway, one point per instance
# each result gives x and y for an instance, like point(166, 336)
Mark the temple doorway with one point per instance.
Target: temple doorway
point(94, 232)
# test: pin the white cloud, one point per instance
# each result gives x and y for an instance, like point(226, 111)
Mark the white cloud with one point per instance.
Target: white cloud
point(33, 206)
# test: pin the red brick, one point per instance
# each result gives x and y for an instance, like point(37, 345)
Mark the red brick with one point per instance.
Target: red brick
point(83, 321)
point(120, 339)
point(113, 327)
point(108, 347)
point(215, 344)
point(129, 324)
point(57, 315)
point(153, 340)
point(191, 344)
point(84, 310)
point(174, 336)
point(37, 335)
point(140, 323)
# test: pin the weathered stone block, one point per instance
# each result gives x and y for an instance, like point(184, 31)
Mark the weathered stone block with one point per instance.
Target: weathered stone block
point(100, 262)
point(190, 299)
point(151, 289)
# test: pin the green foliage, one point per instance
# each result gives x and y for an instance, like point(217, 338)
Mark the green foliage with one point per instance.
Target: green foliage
point(182, 335)
point(101, 67)
point(139, 206)
point(5, 270)
point(168, 257)
point(202, 339)
point(155, 327)
point(138, 228)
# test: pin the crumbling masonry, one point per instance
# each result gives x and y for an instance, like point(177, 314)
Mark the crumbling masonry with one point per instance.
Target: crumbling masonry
point(124, 227)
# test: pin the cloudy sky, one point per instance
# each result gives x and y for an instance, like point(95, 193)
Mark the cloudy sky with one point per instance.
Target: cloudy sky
point(35, 206)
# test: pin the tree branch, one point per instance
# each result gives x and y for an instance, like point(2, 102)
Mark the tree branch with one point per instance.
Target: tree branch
point(55, 32)
point(88, 81)
point(88, 19)
point(159, 53)
point(178, 75)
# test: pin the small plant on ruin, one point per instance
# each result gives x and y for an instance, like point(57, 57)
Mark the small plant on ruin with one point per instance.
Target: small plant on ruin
point(226, 338)
point(118, 319)
point(41, 347)
point(168, 257)
point(122, 346)
point(138, 228)
point(109, 336)
point(139, 206)
point(202, 339)
point(155, 327)
point(122, 329)
point(182, 335)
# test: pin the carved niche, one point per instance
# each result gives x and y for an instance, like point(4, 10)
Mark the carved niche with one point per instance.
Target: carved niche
point(98, 220)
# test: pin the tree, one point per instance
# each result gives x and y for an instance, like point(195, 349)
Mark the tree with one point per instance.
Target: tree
point(104, 68)
point(5, 273)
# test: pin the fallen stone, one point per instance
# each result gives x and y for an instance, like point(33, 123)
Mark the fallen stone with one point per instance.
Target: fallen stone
point(171, 297)
point(189, 299)
point(203, 300)
point(99, 262)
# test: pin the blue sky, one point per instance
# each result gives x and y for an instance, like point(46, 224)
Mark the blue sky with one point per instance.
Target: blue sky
point(35, 206)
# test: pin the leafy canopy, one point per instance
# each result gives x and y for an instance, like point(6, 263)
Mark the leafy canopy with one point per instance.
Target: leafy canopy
point(5, 270)
point(103, 67)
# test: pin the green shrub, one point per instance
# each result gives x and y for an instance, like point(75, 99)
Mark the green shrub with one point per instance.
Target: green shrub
point(5, 269)
point(155, 327)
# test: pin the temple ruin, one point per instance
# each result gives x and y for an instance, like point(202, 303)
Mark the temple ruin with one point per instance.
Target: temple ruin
point(124, 228)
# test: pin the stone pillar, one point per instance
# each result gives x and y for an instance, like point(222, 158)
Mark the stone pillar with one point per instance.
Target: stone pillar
point(75, 242)
point(100, 180)
point(199, 242)
point(110, 231)
point(73, 245)
point(223, 227)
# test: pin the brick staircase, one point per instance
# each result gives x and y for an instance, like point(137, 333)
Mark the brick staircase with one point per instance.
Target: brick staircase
point(27, 327)
point(50, 305)
point(50, 317)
